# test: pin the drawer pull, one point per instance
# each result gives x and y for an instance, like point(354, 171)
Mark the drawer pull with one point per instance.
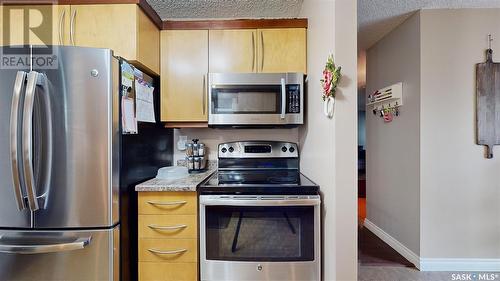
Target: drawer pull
point(173, 203)
point(174, 252)
point(173, 227)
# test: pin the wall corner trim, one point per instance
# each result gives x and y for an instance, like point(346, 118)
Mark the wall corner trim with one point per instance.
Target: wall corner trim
point(395, 244)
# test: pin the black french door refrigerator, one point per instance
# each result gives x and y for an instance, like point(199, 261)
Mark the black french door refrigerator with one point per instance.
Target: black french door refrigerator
point(64, 195)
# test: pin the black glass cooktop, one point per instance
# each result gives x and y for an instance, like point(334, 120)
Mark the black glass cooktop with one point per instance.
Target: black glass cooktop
point(258, 182)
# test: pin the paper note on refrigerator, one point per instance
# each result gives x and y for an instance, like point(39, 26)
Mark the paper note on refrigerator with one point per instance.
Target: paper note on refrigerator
point(129, 121)
point(145, 102)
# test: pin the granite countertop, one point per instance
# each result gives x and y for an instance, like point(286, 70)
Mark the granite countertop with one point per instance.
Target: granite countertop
point(188, 183)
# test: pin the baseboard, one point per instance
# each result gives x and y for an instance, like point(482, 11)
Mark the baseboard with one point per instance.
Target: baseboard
point(435, 264)
point(477, 265)
point(395, 244)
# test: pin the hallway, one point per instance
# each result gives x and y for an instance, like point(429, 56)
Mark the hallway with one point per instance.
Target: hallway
point(377, 261)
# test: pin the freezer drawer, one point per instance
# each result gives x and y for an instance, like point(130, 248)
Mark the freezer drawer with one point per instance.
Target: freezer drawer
point(53, 255)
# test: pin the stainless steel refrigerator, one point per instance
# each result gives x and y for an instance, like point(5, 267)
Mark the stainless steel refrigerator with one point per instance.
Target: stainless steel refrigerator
point(60, 162)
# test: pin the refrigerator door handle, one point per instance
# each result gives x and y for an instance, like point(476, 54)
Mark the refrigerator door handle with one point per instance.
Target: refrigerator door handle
point(78, 244)
point(43, 198)
point(18, 86)
point(27, 133)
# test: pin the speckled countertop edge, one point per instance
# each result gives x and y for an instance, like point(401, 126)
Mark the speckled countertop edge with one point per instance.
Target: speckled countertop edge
point(189, 183)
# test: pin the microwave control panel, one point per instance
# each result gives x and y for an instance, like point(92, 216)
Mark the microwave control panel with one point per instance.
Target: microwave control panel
point(293, 99)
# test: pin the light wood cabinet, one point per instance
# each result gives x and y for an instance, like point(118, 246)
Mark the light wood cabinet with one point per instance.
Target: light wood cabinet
point(168, 236)
point(166, 226)
point(176, 203)
point(233, 50)
point(258, 50)
point(157, 271)
point(188, 55)
point(282, 50)
point(184, 66)
point(124, 28)
point(44, 24)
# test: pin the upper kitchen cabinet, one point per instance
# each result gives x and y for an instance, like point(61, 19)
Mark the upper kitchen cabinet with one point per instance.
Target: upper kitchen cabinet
point(124, 28)
point(233, 50)
point(184, 66)
point(48, 24)
point(282, 50)
point(258, 50)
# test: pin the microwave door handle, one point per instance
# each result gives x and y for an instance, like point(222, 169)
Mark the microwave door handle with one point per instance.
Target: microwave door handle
point(14, 122)
point(28, 138)
point(283, 98)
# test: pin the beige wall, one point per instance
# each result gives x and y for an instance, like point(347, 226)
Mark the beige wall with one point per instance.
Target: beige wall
point(393, 149)
point(329, 145)
point(346, 144)
point(212, 137)
point(460, 189)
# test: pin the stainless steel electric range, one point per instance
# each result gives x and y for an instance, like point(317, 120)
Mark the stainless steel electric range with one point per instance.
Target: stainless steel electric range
point(259, 216)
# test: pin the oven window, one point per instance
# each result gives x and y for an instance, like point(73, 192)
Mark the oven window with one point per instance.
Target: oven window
point(256, 99)
point(260, 233)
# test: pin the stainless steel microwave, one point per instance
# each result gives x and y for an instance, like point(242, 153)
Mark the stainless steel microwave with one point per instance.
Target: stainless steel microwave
point(255, 99)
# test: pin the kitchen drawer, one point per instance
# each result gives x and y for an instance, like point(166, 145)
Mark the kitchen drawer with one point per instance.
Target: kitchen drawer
point(167, 203)
point(166, 226)
point(156, 271)
point(168, 245)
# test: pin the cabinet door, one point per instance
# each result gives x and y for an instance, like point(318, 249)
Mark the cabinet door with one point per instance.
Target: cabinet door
point(282, 50)
point(233, 50)
point(184, 66)
point(105, 26)
point(148, 42)
point(45, 25)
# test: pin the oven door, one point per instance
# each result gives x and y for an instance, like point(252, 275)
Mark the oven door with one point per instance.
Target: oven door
point(267, 237)
point(255, 99)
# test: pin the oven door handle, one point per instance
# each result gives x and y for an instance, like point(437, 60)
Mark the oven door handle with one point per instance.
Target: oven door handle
point(258, 202)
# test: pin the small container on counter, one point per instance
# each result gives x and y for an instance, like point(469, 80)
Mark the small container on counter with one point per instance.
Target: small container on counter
point(203, 163)
point(190, 163)
point(197, 162)
point(189, 149)
point(196, 149)
point(195, 157)
point(201, 149)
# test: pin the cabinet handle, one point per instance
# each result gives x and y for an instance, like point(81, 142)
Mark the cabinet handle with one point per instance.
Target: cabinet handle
point(174, 252)
point(253, 51)
point(204, 94)
point(262, 45)
point(173, 227)
point(61, 28)
point(72, 28)
point(172, 203)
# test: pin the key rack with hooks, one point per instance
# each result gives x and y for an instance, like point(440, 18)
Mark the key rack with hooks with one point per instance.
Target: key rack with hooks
point(386, 102)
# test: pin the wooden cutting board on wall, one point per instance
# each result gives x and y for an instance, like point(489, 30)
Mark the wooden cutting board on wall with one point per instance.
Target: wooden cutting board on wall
point(488, 103)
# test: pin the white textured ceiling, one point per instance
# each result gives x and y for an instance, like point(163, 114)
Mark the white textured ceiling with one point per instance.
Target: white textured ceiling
point(378, 17)
point(225, 9)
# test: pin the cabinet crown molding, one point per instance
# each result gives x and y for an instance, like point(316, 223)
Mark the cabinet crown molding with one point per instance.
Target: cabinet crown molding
point(235, 24)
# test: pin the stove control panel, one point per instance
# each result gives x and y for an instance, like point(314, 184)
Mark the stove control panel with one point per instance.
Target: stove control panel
point(258, 149)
